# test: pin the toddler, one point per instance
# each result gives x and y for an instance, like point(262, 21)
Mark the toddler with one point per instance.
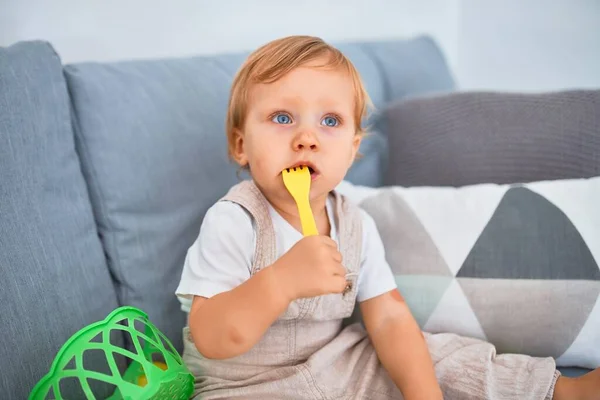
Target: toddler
point(267, 306)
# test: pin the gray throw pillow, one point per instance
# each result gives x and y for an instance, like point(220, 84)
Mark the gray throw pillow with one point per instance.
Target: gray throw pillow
point(467, 138)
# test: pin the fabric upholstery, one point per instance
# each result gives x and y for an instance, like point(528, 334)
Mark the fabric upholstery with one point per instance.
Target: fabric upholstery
point(55, 278)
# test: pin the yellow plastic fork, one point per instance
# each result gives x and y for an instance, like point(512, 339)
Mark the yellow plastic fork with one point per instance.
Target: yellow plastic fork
point(297, 182)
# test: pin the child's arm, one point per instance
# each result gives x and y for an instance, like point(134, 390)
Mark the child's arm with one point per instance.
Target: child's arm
point(230, 323)
point(400, 346)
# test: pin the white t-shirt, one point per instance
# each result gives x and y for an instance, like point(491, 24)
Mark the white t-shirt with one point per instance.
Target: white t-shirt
point(221, 257)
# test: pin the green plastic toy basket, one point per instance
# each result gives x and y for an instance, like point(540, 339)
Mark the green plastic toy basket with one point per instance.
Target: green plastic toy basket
point(156, 370)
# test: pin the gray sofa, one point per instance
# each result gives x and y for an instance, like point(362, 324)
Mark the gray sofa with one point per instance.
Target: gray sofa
point(106, 171)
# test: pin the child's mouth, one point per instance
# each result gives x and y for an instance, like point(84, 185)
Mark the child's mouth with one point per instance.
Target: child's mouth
point(314, 174)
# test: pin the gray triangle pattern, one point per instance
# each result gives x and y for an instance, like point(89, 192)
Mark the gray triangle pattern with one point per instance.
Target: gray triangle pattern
point(409, 250)
point(529, 238)
point(555, 310)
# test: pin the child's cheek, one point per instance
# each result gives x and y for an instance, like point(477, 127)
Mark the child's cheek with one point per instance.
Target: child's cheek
point(259, 164)
point(328, 132)
point(338, 133)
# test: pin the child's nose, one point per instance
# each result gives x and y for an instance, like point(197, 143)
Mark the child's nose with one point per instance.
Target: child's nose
point(305, 140)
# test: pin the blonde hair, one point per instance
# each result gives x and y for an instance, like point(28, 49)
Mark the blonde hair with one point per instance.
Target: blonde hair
point(272, 61)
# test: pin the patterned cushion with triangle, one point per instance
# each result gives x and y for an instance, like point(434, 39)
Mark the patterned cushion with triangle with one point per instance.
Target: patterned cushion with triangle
point(516, 265)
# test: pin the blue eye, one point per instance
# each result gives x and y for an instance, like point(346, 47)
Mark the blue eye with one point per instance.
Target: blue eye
point(330, 121)
point(282, 119)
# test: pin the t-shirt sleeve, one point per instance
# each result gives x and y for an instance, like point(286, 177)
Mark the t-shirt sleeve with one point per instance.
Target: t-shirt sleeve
point(221, 257)
point(375, 277)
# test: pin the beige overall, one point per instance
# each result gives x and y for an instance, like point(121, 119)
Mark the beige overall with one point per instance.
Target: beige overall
point(308, 353)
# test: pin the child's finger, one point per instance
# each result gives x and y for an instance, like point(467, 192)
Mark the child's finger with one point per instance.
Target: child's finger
point(337, 256)
point(329, 242)
point(340, 284)
point(339, 270)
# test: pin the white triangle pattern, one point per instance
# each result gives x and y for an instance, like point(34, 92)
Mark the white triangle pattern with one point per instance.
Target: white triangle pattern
point(579, 202)
point(454, 233)
point(356, 193)
point(585, 349)
point(454, 314)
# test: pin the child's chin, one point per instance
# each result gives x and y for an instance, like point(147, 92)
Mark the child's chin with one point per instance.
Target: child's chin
point(317, 191)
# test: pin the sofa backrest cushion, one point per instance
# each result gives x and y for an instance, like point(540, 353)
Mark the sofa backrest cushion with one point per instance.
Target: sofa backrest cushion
point(153, 148)
point(55, 279)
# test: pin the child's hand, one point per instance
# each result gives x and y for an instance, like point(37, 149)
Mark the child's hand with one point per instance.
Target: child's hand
point(312, 267)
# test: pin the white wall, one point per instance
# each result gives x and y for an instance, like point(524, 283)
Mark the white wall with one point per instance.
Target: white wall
point(529, 44)
point(490, 44)
point(118, 29)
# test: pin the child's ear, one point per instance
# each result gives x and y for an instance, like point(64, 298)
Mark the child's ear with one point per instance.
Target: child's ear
point(356, 141)
point(237, 152)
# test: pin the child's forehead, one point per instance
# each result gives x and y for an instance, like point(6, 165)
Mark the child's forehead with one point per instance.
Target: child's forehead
point(315, 70)
point(308, 83)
